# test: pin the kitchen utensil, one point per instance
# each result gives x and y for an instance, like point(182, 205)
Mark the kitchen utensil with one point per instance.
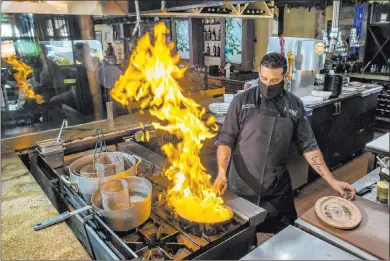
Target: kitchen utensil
point(115, 194)
point(338, 212)
point(333, 83)
point(365, 190)
point(140, 194)
point(87, 183)
point(64, 124)
point(60, 218)
point(100, 145)
point(382, 163)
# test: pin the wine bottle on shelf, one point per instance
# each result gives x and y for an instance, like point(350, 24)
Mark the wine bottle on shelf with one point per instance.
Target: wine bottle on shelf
point(213, 35)
point(253, 12)
point(219, 34)
point(218, 51)
point(213, 10)
point(209, 10)
point(204, 34)
point(214, 50)
point(208, 49)
point(209, 34)
point(218, 10)
point(247, 11)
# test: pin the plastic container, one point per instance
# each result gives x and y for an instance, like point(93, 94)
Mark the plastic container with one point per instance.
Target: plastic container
point(54, 158)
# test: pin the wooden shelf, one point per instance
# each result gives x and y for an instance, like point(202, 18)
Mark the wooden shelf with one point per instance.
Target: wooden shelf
point(237, 11)
point(212, 56)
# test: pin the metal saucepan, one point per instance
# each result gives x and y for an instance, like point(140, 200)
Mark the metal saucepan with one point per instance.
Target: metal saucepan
point(87, 184)
point(140, 191)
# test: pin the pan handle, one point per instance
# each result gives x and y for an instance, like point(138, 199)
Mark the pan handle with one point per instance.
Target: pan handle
point(66, 180)
point(59, 218)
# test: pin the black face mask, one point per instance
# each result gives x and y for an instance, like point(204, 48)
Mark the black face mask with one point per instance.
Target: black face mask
point(270, 91)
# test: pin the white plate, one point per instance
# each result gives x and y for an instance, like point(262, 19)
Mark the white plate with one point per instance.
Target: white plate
point(311, 100)
point(221, 107)
point(321, 94)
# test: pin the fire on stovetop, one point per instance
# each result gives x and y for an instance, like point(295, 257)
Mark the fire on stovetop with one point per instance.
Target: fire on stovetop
point(151, 80)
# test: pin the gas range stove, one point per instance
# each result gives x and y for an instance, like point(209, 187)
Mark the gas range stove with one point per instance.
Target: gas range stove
point(164, 236)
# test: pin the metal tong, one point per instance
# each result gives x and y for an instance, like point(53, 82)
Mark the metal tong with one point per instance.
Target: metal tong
point(100, 145)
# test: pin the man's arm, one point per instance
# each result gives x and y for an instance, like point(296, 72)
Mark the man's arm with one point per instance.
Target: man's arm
point(223, 156)
point(304, 138)
point(316, 161)
point(226, 141)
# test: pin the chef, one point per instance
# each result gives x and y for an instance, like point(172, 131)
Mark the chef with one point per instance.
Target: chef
point(259, 127)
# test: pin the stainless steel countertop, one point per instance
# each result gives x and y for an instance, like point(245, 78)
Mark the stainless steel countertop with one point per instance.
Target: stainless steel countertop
point(294, 244)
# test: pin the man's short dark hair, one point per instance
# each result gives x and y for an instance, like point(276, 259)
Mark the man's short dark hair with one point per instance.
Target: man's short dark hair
point(274, 61)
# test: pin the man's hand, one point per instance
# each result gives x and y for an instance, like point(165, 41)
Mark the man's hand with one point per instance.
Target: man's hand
point(345, 189)
point(220, 183)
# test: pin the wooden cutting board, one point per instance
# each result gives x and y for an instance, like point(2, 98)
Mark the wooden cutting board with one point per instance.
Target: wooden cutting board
point(372, 235)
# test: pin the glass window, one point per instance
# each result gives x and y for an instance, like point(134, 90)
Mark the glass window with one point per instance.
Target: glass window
point(182, 39)
point(63, 79)
point(233, 40)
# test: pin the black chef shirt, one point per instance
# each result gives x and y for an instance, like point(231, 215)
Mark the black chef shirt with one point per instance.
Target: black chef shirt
point(246, 104)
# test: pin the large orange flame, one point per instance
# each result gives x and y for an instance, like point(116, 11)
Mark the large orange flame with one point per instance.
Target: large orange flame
point(22, 71)
point(151, 80)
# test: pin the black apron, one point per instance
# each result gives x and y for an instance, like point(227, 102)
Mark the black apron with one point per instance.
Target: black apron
point(258, 169)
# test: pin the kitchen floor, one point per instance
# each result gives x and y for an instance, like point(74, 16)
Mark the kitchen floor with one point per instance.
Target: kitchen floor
point(350, 172)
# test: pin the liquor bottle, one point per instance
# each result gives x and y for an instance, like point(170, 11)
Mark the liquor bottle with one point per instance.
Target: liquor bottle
point(219, 34)
point(213, 10)
point(209, 10)
point(204, 34)
point(247, 11)
point(253, 11)
point(218, 10)
point(214, 50)
point(213, 36)
point(218, 51)
point(208, 49)
point(209, 34)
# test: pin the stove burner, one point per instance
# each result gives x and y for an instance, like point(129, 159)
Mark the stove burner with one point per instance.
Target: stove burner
point(154, 254)
point(156, 240)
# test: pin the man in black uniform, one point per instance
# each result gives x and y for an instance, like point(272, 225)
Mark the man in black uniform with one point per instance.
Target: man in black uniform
point(259, 127)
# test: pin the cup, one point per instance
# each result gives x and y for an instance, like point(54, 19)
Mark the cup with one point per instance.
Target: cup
point(115, 194)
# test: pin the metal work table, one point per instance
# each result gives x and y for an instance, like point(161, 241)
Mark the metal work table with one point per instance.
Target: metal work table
point(379, 146)
point(294, 244)
point(367, 180)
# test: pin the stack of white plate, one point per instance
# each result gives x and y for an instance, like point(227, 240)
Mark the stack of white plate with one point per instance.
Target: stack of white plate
point(311, 100)
point(219, 110)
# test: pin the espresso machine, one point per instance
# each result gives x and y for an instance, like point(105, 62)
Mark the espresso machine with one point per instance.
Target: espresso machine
point(308, 60)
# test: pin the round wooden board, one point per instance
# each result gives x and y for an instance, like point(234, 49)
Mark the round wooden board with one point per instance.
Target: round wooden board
point(338, 212)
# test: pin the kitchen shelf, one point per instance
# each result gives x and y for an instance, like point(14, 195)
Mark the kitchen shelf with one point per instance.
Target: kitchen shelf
point(212, 56)
point(382, 119)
